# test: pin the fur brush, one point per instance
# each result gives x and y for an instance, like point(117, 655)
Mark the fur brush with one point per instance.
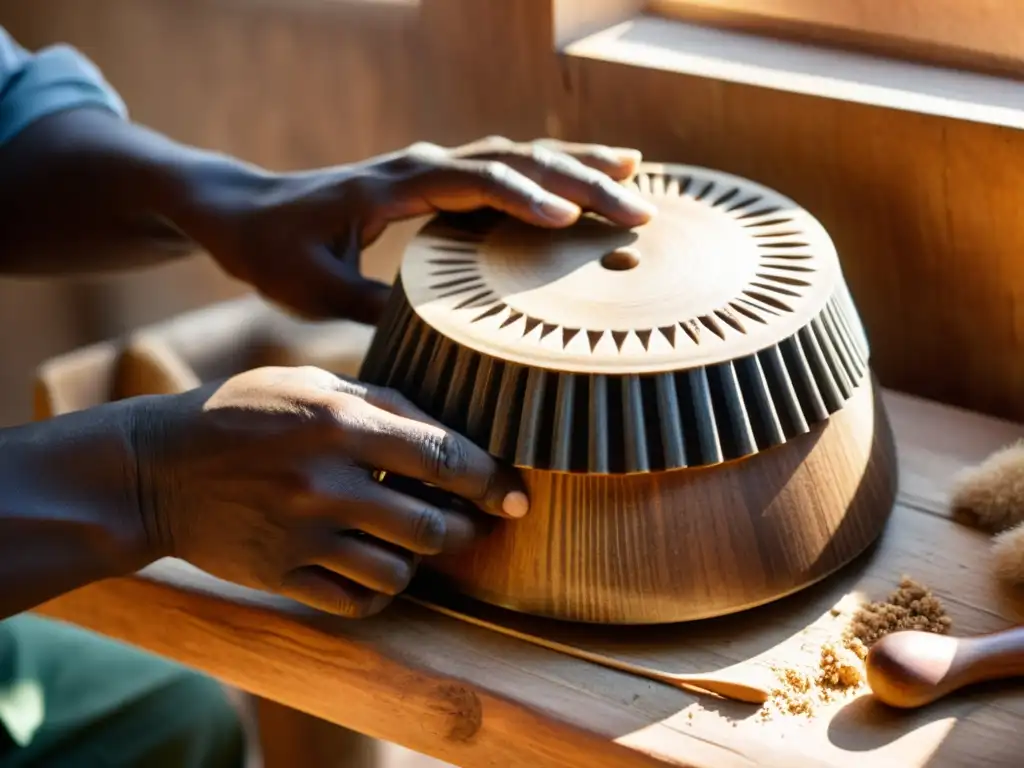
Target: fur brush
point(990, 496)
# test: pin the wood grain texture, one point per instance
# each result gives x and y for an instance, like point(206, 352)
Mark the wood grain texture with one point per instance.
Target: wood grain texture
point(725, 268)
point(698, 432)
point(912, 669)
point(922, 207)
point(474, 697)
point(689, 544)
point(915, 204)
point(979, 35)
point(620, 548)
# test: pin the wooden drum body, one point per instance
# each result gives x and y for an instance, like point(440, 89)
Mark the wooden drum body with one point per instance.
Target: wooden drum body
point(689, 402)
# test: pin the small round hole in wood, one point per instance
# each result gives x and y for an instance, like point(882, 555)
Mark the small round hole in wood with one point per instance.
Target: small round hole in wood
point(621, 259)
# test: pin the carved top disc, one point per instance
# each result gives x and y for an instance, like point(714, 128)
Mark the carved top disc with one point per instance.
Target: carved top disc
point(725, 269)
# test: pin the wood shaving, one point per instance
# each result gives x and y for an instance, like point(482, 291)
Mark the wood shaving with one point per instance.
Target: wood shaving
point(911, 606)
point(839, 671)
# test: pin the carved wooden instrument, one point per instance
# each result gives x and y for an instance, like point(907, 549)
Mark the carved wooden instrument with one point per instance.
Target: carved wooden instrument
point(689, 402)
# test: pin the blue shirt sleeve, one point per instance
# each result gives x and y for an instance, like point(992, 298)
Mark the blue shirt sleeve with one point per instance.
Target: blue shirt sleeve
point(54, 79)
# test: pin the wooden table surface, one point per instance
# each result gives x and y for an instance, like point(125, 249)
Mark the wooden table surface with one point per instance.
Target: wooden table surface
point(473, 697)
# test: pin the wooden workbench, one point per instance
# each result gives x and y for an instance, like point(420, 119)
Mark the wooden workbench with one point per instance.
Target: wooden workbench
point(476, 698)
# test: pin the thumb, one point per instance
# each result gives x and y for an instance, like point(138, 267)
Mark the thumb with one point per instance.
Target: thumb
point(317, 285)
point(344, 291)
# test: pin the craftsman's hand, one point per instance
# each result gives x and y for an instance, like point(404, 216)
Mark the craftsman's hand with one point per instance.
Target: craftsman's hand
point(265, 480)
point(297, 237)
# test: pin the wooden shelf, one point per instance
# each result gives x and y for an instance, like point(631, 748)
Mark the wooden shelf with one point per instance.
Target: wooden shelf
point(812, 70)
point(472, 697)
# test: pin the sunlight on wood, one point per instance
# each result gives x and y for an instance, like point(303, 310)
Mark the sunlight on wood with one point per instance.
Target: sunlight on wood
point(798, 68)
point(981, 34)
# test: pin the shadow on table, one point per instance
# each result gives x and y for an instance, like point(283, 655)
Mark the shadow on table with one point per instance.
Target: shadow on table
point(865, 725)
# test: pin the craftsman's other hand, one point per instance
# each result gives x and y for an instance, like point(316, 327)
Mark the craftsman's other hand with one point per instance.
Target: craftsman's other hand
point(297, 237)
point(266, 480)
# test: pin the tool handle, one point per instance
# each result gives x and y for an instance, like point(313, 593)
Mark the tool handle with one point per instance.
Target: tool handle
point(911, 669)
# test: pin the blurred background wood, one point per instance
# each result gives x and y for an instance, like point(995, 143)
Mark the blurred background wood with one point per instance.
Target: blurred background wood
point(285, 84)
point(981, 34)
point(924, 209)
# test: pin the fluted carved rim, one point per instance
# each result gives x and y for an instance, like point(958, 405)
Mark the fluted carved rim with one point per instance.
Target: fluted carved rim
point(725, 268)
point(724, 329)
point(560, 421)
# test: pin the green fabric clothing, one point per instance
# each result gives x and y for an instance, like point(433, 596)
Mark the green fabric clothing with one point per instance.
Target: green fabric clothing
point(70, 698)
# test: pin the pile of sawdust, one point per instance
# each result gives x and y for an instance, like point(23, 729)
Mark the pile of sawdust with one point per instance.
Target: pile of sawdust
point(839, 671)
point(911, 606)
point(794, 695)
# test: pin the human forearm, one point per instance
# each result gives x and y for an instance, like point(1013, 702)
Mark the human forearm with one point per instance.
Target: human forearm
point(84, 191)
point(68, 505)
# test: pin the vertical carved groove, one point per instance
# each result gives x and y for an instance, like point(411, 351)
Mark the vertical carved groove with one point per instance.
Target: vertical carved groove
point(783, 392)
point(832, 360)
point(423, 349)
point(635, 432)
point(842, 344)
point(671, 421)
point(803, 380)
point(562, 442)
point(438, 371)
point(601, 424)
point(505, 429)
point(822, 374)
point(856, 351)
point(768, 428)
point(479, 414)
point(740, 440)
point(456, 401)
point(598, 425)
point(707, 429)
point(530, 422)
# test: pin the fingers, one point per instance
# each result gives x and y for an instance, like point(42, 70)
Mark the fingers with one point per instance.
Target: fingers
point(325, 590)
point(543, 183)
point(585, 185)
point(344, 289)
point(434, 454)
point(467, 185)
point(618, 163)
point(463, 523)
point(368, 562)
point(586, 174)
point(410, 518)
point(318, 285)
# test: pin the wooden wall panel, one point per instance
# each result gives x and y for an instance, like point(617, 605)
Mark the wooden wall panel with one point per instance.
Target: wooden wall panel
point(493, 70)
point(975, 34)
point(283, 83)
point(925, 211)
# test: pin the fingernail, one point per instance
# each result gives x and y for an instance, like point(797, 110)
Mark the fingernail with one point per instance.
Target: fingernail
point(637, 205)
point(558, 210)
point(515, 504)
point(632, 156)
